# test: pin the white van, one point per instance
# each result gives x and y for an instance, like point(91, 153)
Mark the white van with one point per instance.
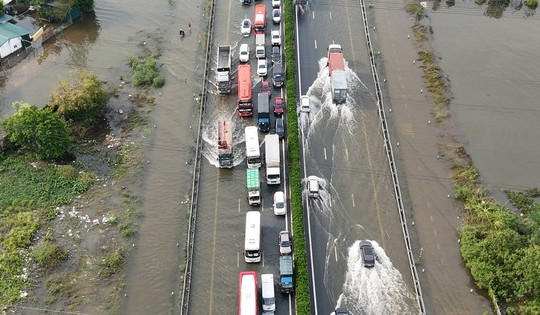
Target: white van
point(268, 297)
point(280, 206)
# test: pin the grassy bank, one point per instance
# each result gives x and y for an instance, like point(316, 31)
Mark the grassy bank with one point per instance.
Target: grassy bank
point(30, 191)
point(501, 249)
point(302, 284)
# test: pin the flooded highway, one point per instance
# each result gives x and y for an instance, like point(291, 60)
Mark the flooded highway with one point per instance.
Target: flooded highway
point(345, 147)
point(221, 213)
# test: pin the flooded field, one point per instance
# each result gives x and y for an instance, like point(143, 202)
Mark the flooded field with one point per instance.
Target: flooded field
point(103, 44)
point(491, 65)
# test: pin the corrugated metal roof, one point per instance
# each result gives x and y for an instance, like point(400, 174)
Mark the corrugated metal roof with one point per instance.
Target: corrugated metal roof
point(5, 18)
point(8, 31)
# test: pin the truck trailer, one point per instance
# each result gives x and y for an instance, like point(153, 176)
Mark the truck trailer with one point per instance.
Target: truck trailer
point(272, 155)
point(225, 144)
point(286, 276)
point(224, 69)
point(253, 186)
point(263, 112)
point(338, 76)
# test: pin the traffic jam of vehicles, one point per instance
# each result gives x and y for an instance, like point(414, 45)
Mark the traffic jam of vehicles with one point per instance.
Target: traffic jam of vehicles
point(262, 102)
point(257, 291)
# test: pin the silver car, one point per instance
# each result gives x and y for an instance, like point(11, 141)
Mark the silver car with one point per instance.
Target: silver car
point(285, 243)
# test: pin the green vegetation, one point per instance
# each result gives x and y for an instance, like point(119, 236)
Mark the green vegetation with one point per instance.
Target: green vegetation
point(301, 272)
point(531, 3)
point(39, 131)
point(420, 32)
point(47, 253)
point(415, 8)
point(29, 190)
point(145, 72)
point(112, 262)
point(500, 249)
point(436, 83)
point(80, 102)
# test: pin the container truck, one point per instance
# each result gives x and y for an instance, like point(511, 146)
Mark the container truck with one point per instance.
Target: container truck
point(338, 76)
point(224, 69)
point(271, 147)
point(286, 276)
point(263, 110)
point(225, 144)
point(253, 186)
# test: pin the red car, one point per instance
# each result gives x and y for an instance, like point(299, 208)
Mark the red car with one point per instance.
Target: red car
point(265, 88)
point(279, 106)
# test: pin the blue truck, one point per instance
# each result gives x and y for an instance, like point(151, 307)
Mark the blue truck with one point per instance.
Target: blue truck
point(286, 276)
point(263, 112)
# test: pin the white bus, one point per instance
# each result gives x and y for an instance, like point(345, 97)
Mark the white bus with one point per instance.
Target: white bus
point(252, 244)
point(253, 152)
point(247, 293)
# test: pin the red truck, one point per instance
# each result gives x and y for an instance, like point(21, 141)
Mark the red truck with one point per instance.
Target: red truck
point(338, 76)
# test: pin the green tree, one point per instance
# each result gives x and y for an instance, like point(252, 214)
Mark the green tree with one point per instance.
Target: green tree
point(81, 101)
point(57, 10)
point(85, 5)
point(40, 131)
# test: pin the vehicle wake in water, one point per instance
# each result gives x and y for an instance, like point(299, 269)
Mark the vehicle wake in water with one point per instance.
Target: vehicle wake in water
point(377, 290)
point(210, 138)
point(324, 111)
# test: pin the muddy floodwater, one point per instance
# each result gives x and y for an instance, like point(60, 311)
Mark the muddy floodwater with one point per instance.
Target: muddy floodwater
point(103, 43)
point(493, 67)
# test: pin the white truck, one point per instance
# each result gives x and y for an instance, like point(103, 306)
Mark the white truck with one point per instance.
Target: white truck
point(338, 76)
point(272, 155)
point(224, 69)
point(260, 46)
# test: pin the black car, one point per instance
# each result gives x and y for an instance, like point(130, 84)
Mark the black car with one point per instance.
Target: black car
point(276, 54)
point(280, 128)
point(368, 255)
point(341, 311)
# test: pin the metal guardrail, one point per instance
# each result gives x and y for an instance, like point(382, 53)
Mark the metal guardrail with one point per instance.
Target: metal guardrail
point(196, 168)
point(391, 162)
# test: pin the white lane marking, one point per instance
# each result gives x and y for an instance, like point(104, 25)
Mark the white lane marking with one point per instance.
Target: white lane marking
point(325, 153)
point(330, 15)
point(315, 307)
point(285, 184)
point(352, 196)
point(347, 153)
point(315, 44)
point(313, 14)
point(333, 151)
point(237, 259)
point(335, 252)
point(238, 205)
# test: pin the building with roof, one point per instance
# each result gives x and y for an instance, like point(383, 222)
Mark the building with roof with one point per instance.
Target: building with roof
point(12, 38)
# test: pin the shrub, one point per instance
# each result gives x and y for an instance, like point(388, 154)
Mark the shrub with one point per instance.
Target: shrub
point(48, 253)
point(81, 101)
point(39, 131)
point(145, 72)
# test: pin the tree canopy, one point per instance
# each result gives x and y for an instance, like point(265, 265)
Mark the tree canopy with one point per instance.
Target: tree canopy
point(40, 131)
point(80, 102)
